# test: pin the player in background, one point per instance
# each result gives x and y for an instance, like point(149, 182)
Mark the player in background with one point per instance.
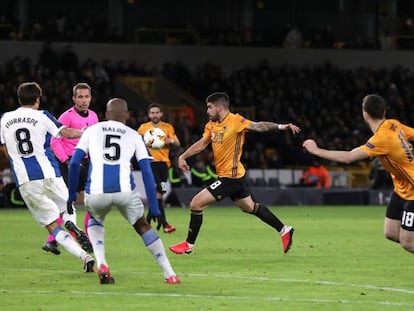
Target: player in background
point(390, 143)
point(111, 145)
point(78, 117)
point(226, 133)
point(26, 134)
point(161, 162)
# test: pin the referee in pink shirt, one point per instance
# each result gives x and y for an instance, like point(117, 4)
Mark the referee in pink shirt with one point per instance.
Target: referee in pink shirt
point(78, 117)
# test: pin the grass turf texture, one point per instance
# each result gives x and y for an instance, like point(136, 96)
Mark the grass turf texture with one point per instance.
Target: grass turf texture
point(339, 261)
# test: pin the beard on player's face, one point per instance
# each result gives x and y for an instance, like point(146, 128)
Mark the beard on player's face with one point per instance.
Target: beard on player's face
point(214, 117)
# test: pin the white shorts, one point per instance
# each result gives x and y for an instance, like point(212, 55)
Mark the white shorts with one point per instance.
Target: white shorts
point(45, 198)
point(129, 205)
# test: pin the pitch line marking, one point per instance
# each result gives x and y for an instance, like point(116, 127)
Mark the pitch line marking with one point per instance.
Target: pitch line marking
point(255, 278)
point(231, 297)
point(314, 282)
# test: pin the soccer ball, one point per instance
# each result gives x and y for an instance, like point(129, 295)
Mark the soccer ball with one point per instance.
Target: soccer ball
point(155, 138)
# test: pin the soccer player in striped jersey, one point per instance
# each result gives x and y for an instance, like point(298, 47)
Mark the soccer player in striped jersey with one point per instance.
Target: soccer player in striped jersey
point(391, 144)
point(226, 133)
point(161, 162)
point(111, 146)
point(26, 133)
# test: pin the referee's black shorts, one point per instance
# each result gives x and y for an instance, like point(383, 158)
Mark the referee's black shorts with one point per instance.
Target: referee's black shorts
point(83, 173)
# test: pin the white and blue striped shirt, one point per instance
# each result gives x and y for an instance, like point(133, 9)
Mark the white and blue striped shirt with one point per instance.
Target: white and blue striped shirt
point(26, 132)
point(111, 145)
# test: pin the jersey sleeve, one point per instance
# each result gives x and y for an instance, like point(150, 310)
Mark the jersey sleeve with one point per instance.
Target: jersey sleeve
point(83, 143)
point(408, 132)
point(207, 132)
point(53, 126)
point(56, 142)
point(65, 119)
point(171, 132)
point(376, 145)
point(141, 150)
point(242, 123)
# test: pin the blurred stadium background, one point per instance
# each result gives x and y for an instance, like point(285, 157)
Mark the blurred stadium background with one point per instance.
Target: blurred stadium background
point(306, 62)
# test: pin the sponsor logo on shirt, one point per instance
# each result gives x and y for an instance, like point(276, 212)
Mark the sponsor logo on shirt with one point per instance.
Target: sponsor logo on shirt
point(369, 145)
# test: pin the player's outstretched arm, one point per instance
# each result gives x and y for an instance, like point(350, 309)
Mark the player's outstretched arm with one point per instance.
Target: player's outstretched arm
point(70, 132)
point(355, 154)
point(265, 126)
point(73, 174)
point(149, 184)
point(195, 148)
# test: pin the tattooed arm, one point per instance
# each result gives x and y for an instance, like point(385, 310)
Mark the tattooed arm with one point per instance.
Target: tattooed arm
point(264, 126)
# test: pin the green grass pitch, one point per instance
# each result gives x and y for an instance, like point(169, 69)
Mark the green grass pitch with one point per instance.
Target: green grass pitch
point(339, 261)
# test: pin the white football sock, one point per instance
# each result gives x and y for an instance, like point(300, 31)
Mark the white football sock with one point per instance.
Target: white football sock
point(69, 217)
point(158, 251)
point(67, 241)
point(97, 237)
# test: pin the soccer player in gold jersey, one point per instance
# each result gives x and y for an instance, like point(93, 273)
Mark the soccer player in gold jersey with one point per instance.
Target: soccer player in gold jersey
point(390, 143)
point(161, 156)
point(226, 133)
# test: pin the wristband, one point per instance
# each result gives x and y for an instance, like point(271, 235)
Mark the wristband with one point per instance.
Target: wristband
point(280, 127)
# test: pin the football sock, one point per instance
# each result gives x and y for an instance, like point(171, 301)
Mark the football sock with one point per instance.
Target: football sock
point(66, 240)
point(267, 216)
point(154, 244)
point(86, 221)
point(196, 220)
point(51, 238)
point(97, 237)
point(162, 211)
point(149, 217)
point(70, 217)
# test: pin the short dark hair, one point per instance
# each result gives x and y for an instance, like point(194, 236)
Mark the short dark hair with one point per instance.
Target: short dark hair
point(81, 86)
point(375, 106)
point(28, 92)
point(218, 96)
point(154, 105)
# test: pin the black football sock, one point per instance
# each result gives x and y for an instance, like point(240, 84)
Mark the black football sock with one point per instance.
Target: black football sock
point(162, 211)
point(196, 221)
point(149, 217)
point(267, 216)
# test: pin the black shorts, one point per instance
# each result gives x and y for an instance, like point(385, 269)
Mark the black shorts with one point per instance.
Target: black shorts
point(83, 173)
point(228, 187)
point(400, 209)
point(160, 172)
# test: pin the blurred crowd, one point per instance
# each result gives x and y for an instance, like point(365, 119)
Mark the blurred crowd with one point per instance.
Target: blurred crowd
point(325, 101)
point(392, 33)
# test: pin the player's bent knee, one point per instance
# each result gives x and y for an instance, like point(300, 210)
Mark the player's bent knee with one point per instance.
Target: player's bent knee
point(407, 245)
point(392, 237)
point(407, 240)
point(250, 209)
